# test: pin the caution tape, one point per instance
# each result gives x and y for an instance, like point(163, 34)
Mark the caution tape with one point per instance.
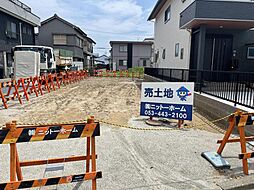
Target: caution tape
point(213, 122)
point(142, 128)
point(132, 127)
point(108, 123)
point(220, 119)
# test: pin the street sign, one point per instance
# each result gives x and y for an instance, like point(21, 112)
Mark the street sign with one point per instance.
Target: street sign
point(172, 100)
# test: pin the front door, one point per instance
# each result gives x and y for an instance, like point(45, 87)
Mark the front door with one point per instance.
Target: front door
point(218, 52)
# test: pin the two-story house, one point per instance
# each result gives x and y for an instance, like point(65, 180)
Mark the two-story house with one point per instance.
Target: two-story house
point(130, 54)
point(17, 28)
point(204, 34)
point(62, 35)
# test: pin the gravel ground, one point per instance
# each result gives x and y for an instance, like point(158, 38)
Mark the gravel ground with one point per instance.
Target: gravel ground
point(129, 159)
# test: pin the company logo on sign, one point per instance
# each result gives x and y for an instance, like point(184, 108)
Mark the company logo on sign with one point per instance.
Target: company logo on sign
point(183, 93)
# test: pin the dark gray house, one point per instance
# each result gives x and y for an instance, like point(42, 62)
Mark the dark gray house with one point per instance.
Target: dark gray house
point(61, 34)
point(130, 54)
point(17, 28)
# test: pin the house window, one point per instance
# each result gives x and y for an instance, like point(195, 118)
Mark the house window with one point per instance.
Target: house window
point(182, 52)
point(11, 30)
point(24, 30)
point(157, 56)
point(177, 50)
point(79, 42)
point(122, 62)
point(90, 46)
point(167, 14)
point(164, 54)
point(123, 48)
point(144, 63)
point(60, 39)
point(250, 53)
point(29, 31)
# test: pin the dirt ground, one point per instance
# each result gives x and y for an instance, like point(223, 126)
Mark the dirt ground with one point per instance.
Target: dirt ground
point(129, 159)
point(107, 99)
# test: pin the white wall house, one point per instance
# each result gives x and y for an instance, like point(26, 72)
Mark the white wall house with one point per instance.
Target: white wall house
point(167, 35)
point(183, 30)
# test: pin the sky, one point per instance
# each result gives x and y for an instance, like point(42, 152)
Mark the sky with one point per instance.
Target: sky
point(102, 20)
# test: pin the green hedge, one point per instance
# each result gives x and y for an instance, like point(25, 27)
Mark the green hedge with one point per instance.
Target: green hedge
point(137, 71)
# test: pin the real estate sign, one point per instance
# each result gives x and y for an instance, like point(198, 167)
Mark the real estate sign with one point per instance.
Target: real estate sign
point(172, 100)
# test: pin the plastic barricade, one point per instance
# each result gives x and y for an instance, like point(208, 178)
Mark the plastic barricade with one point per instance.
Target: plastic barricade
point(13, 134)
point(12, 92)
point(24, 87)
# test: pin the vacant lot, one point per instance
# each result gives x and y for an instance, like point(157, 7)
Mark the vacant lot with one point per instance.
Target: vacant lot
point(129, 159)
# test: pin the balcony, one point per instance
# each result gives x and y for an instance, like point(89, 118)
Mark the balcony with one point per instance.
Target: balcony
point(218, 14)
point(20, 11)
point(22, 5)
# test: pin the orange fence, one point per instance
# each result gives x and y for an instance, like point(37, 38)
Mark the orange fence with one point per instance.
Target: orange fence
point(13, 134)
point(24, 87)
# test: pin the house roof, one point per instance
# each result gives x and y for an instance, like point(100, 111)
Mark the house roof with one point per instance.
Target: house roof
point(127, 42)
point(103, 55)
point(66, 22)
point(156, 9)
point(106, 57)
point(90, 40)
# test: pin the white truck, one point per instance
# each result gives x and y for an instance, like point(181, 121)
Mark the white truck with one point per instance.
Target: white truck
point(30, 60)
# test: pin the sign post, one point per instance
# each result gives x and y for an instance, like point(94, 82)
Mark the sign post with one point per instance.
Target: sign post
point(172, 100)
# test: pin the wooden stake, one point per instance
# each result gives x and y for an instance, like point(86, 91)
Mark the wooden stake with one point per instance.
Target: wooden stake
point(88, 141)
point(180, 122)
point(241, 126)
point(227, 135)
point(13, 162)
point(13, 154)
point(93, 163)
point(18, 168)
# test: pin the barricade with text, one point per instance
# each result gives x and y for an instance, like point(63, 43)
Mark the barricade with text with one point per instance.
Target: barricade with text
point(13, 134)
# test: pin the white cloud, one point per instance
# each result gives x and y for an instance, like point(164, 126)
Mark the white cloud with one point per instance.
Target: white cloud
point(103, 20)
point(122, 8)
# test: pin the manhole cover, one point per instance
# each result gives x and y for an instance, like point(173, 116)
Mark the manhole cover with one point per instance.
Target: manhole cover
point(154, 122)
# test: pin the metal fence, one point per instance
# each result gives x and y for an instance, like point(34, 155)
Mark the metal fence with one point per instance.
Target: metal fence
point(236, 87)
